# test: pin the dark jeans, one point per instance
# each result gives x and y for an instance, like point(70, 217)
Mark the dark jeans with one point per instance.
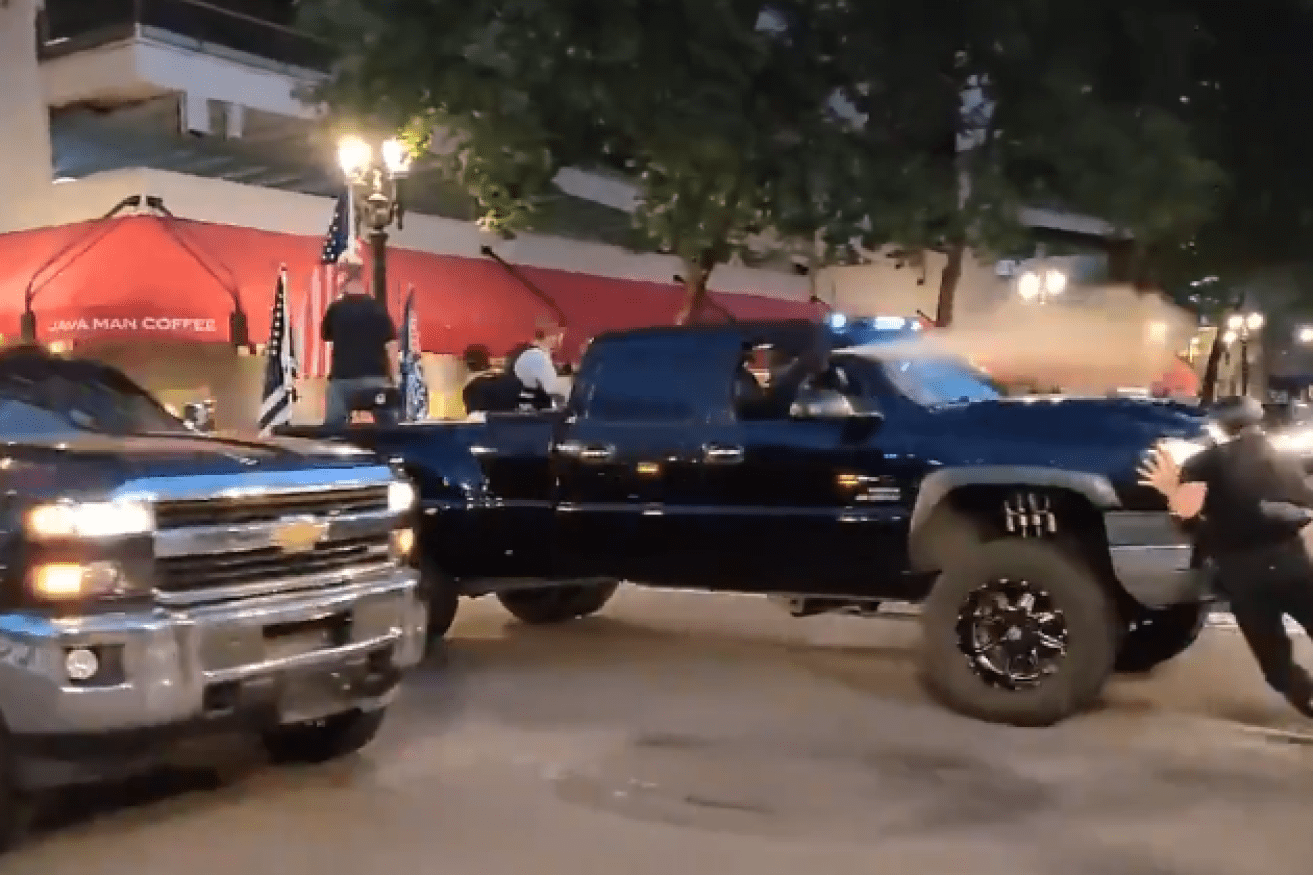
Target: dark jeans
point(341, 394)
point(1264, 587)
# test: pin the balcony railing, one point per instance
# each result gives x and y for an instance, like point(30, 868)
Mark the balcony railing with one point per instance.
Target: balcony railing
point(68, 26)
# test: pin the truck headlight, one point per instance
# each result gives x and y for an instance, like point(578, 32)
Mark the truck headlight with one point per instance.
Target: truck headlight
point(401, 497)
point(94, 519)
point(1300, 441)
point(1180, 451)
point(61, 581)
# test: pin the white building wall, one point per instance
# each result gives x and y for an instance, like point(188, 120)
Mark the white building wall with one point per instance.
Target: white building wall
point(24, 121)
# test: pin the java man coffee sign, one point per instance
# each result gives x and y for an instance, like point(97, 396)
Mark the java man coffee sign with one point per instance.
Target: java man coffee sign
point(144, 324)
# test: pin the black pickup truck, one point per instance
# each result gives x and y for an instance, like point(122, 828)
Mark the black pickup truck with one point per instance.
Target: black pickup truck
point(860, 474)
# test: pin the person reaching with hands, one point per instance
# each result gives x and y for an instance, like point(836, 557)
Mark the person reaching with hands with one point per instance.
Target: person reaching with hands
point(1248, 507)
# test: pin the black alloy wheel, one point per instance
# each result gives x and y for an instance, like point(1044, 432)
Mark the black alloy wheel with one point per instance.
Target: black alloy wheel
point(1012, 634)
point(1018, 631)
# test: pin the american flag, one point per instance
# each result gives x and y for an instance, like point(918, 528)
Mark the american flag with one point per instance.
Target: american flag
point(325, 288)
point(279, 364)
point(414, 390)
point(340, 234)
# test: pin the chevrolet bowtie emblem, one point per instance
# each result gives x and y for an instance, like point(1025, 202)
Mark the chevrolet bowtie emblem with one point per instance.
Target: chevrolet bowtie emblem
point(299, 535)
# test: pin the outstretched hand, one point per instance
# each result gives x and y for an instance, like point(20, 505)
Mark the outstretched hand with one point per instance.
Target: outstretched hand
point(1161, 473)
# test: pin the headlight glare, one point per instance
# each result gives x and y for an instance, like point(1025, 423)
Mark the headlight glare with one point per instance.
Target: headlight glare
point(401, 496)
point(97, 519)
point(1180, 451)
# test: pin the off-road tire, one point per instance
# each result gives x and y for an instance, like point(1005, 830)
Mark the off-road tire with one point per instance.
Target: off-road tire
point(320, 741)
point(1159, 637)
point(1075, 590)
point(440, 594)
point(557, 604)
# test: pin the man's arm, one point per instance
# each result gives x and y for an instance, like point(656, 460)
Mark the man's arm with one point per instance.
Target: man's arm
point(394, 361)
point(390, 345)
point(326, 324)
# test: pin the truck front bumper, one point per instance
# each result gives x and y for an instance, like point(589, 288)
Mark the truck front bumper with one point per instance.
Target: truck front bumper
point(247, 664)
point(1154, 559)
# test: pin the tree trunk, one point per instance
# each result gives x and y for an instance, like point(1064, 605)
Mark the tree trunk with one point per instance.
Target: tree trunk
point(948, 281)
point(1208, 385)
point(695, 293)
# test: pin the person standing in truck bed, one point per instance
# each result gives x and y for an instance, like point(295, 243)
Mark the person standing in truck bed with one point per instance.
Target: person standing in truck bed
point(365, 358)
point(1249, 507)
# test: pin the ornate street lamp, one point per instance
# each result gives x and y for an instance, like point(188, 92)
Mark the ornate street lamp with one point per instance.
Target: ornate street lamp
point(1240, 326)
point(375, 181)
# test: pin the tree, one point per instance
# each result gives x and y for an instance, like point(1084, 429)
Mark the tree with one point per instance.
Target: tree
point(827, 127)
point(722, 114)
point(1076, 107)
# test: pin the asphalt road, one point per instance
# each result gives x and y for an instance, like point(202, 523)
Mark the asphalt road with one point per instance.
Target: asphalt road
point(700, 734)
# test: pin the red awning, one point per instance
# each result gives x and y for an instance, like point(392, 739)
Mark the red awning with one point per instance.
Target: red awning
point(148, 276)
point(116, 277)
point(594, 304)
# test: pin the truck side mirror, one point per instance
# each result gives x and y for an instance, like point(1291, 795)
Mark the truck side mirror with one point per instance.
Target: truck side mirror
point(199, 416)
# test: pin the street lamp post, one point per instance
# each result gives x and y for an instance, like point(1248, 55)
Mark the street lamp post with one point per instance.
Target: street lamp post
point(1240, 326)
point(1040, 286)
point(375, 182)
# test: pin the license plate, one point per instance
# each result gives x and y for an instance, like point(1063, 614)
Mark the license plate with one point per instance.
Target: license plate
point(296, 643)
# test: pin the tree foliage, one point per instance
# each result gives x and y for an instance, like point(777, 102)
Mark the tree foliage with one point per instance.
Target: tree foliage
point(723, 118)
point(1247, 101)
point(826, 126)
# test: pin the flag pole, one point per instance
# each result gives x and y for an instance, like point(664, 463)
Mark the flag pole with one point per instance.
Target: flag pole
point(352, 240)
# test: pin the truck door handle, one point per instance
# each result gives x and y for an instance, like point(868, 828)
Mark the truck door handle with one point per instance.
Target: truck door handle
point(586, 452)
point(719, 454)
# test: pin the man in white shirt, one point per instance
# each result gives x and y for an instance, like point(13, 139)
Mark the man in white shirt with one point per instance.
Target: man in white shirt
point(533, 367)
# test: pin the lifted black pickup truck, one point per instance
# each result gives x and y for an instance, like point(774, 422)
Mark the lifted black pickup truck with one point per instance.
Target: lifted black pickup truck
point(156, 583)
point(861, 475)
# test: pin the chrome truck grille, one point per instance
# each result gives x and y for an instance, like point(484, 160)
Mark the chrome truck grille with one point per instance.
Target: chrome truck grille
point(223, 538)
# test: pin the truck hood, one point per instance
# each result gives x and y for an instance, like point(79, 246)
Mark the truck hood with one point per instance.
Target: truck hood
point(1075, 420)
point(91, 463)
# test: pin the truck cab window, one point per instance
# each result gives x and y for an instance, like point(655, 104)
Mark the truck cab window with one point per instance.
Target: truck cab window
point(645, 385)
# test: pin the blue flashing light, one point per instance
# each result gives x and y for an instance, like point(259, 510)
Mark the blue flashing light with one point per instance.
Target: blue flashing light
point(848, 331)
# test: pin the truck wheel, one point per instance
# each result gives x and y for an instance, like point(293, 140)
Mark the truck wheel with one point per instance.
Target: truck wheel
point(557, 604)
point(319, 741)
point(1159, 636)
point(1018, 632)
point(440, 594)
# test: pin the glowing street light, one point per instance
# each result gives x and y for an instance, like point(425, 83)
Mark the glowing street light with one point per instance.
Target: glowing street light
point(1041, 285)
point(374, 178)
point(1305, 334)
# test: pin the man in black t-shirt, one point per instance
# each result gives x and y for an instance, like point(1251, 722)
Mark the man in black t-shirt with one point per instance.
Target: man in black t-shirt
point(1249, 507)
point(364, 352)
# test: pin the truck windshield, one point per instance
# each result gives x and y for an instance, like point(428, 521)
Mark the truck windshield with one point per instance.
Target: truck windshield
point(936, 381)
point(44, 396)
